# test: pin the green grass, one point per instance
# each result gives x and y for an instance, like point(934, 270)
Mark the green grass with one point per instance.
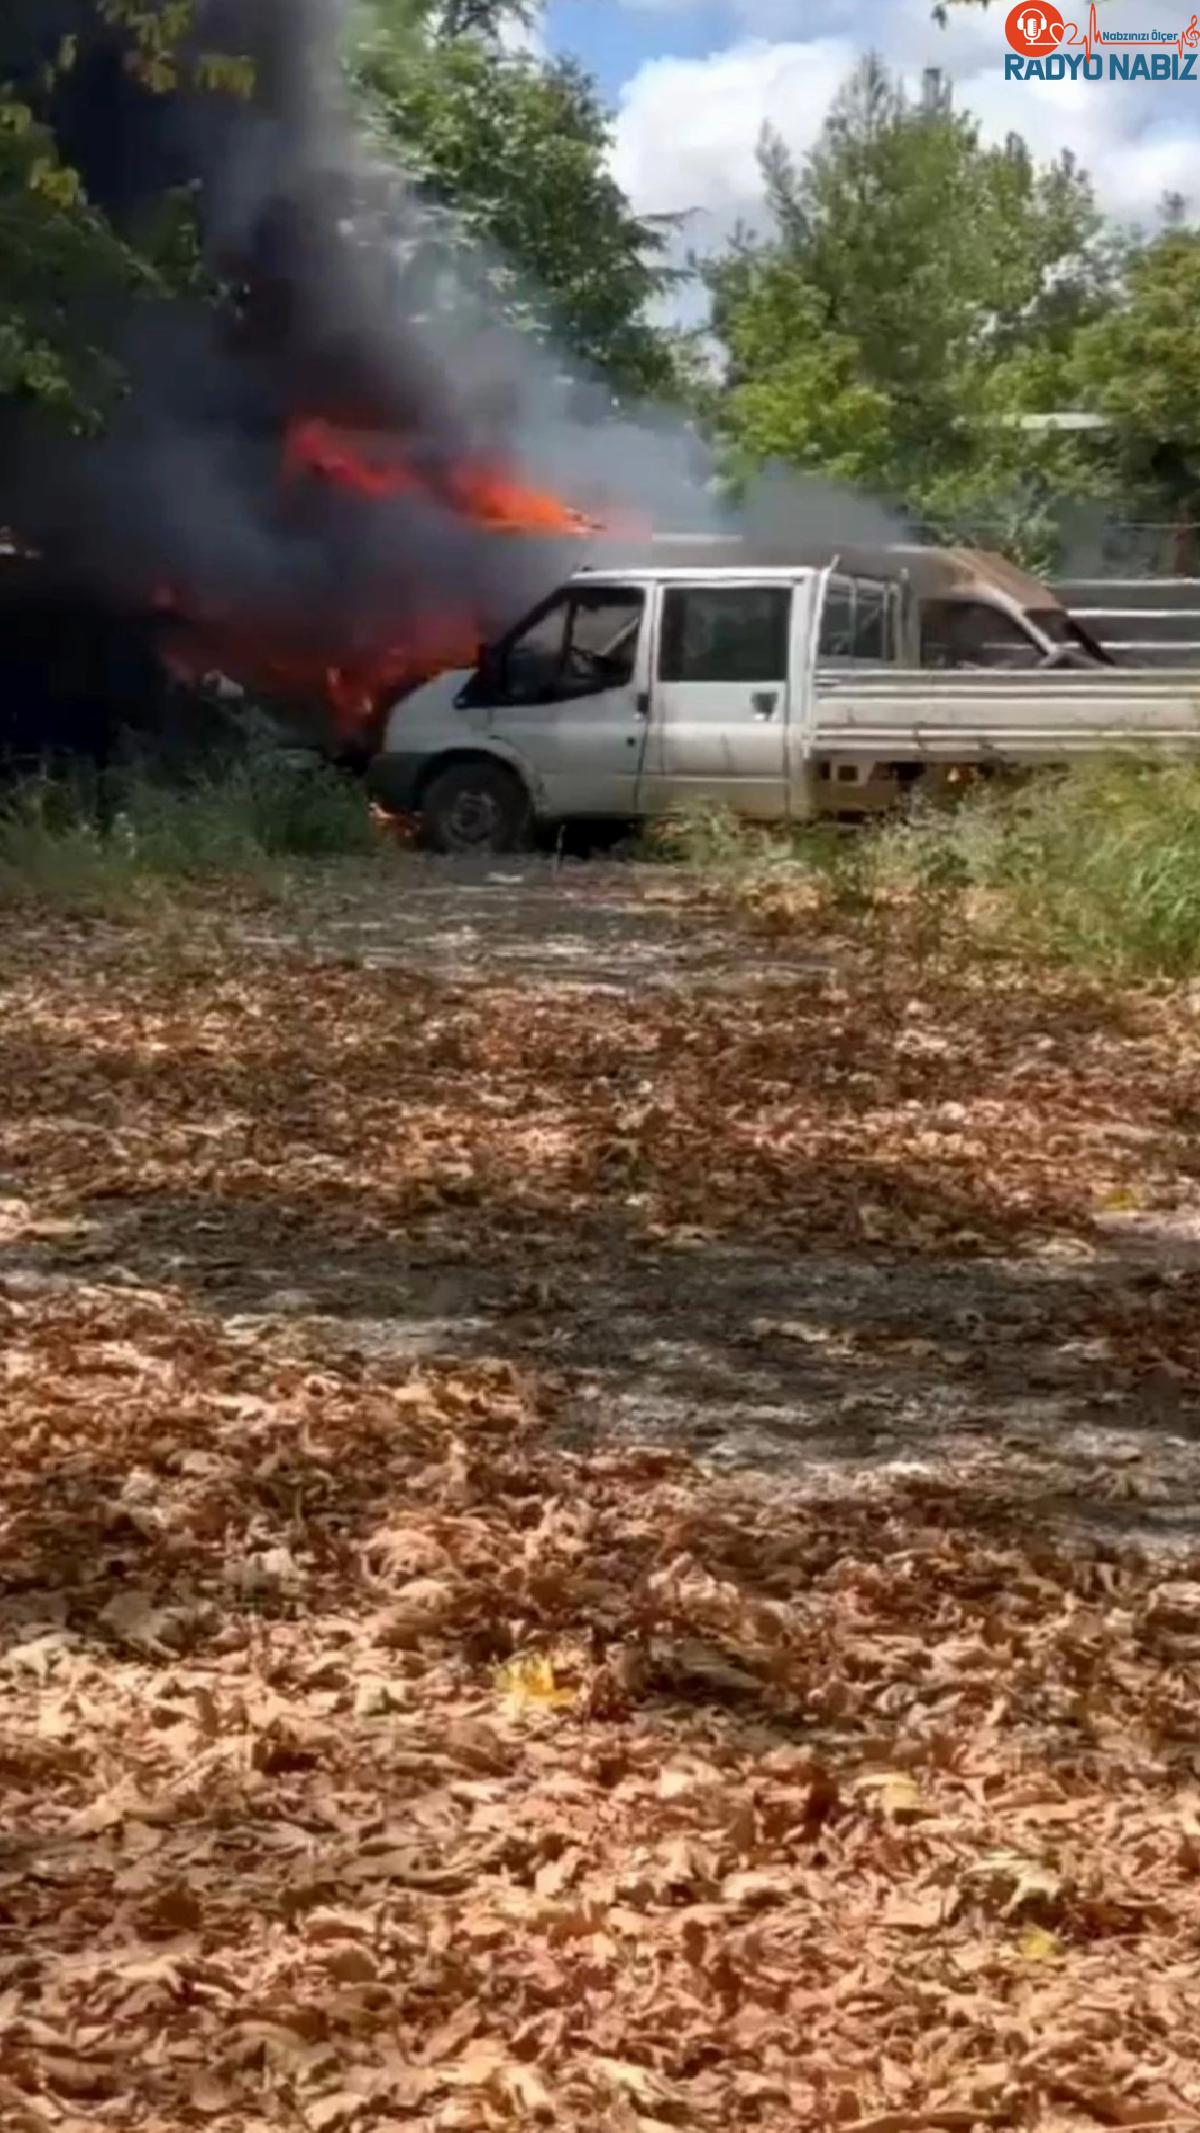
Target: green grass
point(90, 843)
point(1098, 866)
point(707, 838)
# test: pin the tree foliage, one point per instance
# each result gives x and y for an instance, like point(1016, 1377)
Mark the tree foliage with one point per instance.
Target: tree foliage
point(50, 240)
point(917, 289)
point(519, 149)
point(66, 268)
point(1139, 365)
point(54, 247)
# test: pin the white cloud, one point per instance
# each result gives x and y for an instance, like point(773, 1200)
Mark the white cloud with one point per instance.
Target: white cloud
point(519, 37)
point(687, 128)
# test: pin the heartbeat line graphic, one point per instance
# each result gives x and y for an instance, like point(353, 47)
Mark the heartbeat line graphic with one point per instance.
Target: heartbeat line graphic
point(1187, 41)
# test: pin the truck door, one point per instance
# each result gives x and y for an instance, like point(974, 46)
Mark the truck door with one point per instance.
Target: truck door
point(567, 692)
point(721, 698)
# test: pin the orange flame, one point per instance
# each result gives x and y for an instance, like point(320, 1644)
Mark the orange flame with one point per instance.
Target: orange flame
point(357, 686)
point(375, 467)
point(355, 689)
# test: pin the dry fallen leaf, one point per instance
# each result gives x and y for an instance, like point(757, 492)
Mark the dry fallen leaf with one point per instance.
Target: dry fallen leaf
point(896, 1795)
point(339, 2108)
point(337, 1303)
point(918, 1913)
point(1023, 1883)
point(529, 1680)
point(209, 2095)
point(758, 1888)
point(645, 2088)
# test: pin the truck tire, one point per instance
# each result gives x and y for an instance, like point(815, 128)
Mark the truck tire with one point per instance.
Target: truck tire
point(476, 806)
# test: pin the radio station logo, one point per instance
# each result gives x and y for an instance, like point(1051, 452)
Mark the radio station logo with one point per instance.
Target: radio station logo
point(1044, 46)
point(1035, 31)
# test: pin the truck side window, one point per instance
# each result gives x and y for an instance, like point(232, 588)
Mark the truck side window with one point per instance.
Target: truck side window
point(602, 637)
point(870, 619)
point(730, 633)
point(582, 644)
point(856, 620)
point(837, 621)
point(972, 633)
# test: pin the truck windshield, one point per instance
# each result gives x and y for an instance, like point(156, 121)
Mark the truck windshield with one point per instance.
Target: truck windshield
point(973, 633)
point(1063, 630)
point(1054, 624)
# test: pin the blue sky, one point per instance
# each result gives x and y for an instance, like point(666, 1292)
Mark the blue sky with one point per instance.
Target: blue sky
point(614, 41)
point(691, 83)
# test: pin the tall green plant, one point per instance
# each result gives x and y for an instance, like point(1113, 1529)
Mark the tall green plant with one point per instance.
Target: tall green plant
point(519, 149)
point(918, 290)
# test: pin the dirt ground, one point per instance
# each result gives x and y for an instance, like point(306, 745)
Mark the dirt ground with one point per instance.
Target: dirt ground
point(758, 1339)
point(599, 1523)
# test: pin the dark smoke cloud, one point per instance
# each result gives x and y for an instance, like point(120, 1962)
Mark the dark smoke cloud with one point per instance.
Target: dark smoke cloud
point(350, 298)
point(339, 308)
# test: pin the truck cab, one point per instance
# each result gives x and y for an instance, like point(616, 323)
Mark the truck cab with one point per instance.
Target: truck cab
point(623, 695)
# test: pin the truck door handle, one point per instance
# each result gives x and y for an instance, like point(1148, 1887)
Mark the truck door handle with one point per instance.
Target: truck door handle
point(764, 702)
point(642, 705)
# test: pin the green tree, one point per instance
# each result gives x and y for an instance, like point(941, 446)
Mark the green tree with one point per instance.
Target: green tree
point(1140, 366)
point(795, 388)
point(450, 19)
point(519, 149)
point(919, 289)
point(51, 242)
point(62, 262)
point(482, 18)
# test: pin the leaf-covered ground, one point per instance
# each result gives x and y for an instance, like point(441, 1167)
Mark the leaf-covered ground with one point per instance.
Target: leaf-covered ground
point(398, 1725)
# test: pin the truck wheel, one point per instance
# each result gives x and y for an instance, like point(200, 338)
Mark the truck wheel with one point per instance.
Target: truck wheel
point(476, 807)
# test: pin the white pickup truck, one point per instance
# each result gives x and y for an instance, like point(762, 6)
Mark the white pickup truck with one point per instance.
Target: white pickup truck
point(780, 689)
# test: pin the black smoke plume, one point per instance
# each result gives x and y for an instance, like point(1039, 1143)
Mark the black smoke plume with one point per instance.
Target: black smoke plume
point(333, 304)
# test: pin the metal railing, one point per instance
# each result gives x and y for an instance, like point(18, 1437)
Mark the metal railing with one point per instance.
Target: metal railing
point(1143, 622)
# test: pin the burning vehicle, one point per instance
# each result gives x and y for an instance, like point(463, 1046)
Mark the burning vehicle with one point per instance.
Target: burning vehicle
point(328, 477)
point(332, 475)
point(359, 682)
